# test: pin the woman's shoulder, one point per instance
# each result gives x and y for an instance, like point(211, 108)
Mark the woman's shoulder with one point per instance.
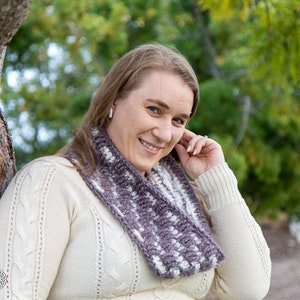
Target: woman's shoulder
point(47, 163)
point(51, 175)
point(45, 169)
point(51, 160)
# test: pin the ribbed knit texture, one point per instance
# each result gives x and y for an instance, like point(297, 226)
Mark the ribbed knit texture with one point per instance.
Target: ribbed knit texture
point(161, 212)
point(219, 183)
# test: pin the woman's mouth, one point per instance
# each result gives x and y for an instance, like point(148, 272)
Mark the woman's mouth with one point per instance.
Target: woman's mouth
point(150, 147)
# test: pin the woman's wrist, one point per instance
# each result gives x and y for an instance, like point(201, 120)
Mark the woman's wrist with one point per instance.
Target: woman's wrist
point(218, 186)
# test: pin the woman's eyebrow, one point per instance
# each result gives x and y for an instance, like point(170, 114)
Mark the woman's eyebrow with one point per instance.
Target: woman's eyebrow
point(164, 105)
point(159, 102)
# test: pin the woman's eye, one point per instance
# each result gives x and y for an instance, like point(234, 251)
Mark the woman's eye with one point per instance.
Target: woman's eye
point(179, 121)
point(153, 109)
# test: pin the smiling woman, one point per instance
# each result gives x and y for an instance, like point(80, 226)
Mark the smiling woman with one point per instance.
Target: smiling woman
point(114, 216)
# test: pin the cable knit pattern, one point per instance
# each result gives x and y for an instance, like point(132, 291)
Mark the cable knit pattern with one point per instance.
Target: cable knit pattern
point(99, 254)
point(26, 221)
point(260, 243)
point(161, 213)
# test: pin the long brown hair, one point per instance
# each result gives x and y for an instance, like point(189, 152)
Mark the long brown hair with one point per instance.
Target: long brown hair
point(124, 77)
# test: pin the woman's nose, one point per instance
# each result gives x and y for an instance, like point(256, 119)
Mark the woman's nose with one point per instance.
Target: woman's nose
point(163, 131)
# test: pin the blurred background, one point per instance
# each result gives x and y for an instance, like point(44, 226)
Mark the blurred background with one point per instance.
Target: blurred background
point(246, 55)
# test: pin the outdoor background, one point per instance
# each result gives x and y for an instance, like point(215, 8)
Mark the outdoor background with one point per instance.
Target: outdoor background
point(246, 55)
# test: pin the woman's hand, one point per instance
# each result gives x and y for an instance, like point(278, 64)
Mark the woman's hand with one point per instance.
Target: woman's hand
point(197, 153)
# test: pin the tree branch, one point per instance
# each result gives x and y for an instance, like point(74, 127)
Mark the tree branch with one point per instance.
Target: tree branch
point(245, 111)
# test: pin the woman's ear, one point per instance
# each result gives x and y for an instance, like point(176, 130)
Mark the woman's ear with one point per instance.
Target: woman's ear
point(116, 101)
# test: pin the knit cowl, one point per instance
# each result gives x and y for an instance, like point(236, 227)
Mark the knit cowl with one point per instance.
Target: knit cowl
point(160, 211)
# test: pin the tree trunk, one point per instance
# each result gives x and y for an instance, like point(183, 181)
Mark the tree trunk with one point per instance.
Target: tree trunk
point(7, 157)
point(12, 15)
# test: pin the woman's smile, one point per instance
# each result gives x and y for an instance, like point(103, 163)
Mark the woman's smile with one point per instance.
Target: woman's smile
point(150, 148)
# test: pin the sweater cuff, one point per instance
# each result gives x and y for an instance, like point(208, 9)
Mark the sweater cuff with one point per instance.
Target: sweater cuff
point(218, 186)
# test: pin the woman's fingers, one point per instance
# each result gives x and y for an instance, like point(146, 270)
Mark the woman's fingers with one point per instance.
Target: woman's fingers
point(196, 144)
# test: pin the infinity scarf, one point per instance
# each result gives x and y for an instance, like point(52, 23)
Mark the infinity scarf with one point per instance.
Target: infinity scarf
point(160, 211)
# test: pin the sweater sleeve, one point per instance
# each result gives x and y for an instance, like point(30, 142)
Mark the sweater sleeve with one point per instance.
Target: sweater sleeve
point(245, 273)
point(34, 229)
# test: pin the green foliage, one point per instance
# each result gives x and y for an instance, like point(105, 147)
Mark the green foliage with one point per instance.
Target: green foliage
point(250, 105)
point(273, 30)
point(272, 151)
point(218, 110)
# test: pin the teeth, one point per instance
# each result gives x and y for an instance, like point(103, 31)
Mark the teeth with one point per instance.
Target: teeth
point(150, 147)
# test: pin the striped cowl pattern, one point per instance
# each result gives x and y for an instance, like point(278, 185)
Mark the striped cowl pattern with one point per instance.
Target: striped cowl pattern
point(160, 211)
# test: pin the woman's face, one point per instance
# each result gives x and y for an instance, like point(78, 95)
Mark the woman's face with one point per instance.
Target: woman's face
point(150, 120)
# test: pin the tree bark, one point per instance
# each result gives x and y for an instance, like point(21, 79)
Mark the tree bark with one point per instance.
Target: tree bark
point(12, 15)
point(2, 55)
point(7, 157)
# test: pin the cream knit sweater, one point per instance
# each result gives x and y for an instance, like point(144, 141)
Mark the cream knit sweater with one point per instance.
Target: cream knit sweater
point(58, 241)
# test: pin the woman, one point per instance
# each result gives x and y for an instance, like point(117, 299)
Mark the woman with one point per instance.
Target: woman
point(113, 216)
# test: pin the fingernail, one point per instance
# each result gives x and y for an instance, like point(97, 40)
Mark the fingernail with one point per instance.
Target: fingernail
point(188, 149)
